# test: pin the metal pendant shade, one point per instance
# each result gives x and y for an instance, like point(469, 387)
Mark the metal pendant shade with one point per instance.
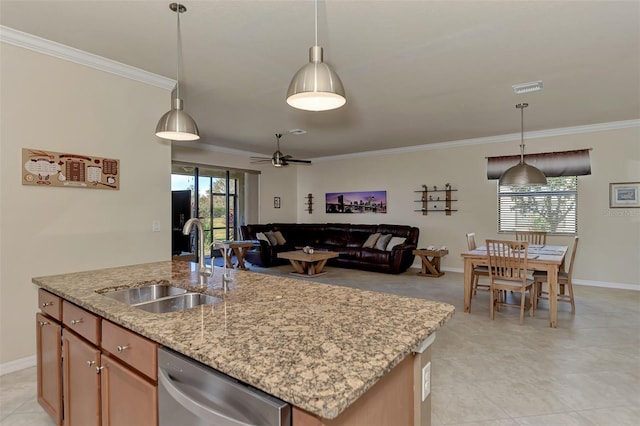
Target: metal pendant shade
point(522, 173)
point(176, 124)
point(316, 86)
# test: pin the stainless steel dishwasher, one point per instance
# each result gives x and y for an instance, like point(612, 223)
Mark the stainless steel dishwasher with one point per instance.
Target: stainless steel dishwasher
point(192, 394)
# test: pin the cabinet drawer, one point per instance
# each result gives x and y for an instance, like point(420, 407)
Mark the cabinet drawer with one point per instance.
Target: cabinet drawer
point(82, 322)
point(131, 348)
point(50, 304)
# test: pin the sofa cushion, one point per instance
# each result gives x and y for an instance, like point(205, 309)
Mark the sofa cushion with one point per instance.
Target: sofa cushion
point(262, 237)
point(382, 242)
point(394, 241)
point(271, 237)
point(279, 238)
point(371, 241)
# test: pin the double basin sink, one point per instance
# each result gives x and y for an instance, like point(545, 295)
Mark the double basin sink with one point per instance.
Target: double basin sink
point(161, 298)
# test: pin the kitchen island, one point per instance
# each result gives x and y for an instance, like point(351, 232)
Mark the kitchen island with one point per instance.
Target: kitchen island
point(316, 346)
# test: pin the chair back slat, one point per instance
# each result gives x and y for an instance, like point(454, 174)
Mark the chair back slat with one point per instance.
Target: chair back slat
point(508, 260)
point(532, 237)
point(471, 241)
point(573, 256)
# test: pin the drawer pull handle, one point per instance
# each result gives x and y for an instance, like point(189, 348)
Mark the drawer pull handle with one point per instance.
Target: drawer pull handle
point(122, 348)
point(45, 304)
point(98, 369)
point(74, 322)
point(90, 363)
point(43, 323)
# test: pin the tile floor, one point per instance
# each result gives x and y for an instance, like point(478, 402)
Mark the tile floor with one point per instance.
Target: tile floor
point(585, 372)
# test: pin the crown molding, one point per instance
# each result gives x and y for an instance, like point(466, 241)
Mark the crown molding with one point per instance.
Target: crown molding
point(71, 54)
point(600, 127)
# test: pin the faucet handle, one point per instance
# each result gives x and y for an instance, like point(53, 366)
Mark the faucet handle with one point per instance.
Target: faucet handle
point(207, 272)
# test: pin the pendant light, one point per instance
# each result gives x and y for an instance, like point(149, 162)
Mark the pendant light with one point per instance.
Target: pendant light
point(316, 86)
point(176, 124)
point(522, 173)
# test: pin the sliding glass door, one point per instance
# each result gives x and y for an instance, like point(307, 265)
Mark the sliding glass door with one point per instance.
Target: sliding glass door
point(217, 193)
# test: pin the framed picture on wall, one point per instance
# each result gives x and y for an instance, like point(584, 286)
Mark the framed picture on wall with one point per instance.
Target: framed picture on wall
point(276, 202)
point(624, 195)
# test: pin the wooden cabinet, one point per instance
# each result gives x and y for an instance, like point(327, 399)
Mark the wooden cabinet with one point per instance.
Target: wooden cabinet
point(49, 366)
point(91, 371)
point(127, 398)
point(81, 381)
point(436, 200)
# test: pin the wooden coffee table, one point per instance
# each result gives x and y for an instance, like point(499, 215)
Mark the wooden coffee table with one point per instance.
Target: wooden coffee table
point(308, 265)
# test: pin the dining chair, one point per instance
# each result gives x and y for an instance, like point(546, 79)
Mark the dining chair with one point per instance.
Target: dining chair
point(565, 279)
point(478, 271)
point(508, 272)
point(532, 237)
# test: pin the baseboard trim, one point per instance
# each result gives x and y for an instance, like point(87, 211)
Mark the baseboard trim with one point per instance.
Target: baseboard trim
point(17, 365)
point(603, 284)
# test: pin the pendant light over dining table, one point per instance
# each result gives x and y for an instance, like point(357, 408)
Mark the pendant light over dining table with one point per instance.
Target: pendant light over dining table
point(522, 173)
point(316, 86)
point(176, 124)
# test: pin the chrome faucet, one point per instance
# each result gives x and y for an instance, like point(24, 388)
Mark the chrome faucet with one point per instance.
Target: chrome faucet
point(203, 271)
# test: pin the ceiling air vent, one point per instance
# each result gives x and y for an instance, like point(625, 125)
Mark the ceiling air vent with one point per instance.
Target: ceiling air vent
point(534, 86)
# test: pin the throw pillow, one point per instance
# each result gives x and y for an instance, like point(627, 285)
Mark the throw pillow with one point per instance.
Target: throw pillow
point(279, 238)
point(271, 237)
point(262, 237)
point(371, 241)
point(394, 241)
point(382, 242)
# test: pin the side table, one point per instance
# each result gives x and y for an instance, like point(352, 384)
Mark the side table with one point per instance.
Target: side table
point(430, 267)
point(237, 248)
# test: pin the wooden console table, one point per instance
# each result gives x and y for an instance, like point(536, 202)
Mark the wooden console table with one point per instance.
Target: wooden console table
point(430, 267)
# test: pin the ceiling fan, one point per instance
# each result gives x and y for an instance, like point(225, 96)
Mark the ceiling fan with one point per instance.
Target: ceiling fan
point(278, 159)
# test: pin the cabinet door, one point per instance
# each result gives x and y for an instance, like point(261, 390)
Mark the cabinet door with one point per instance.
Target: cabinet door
point(49, 353)
point(127, 398)
point(81, 381)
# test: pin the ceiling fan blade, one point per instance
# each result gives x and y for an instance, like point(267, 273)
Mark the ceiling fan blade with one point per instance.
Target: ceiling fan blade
point(294, 160)
point(260, 160)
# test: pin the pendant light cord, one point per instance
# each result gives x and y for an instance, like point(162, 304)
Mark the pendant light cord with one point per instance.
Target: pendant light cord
point(522, 135)
point(316, 18)
point(179, 53)
point(521, 107)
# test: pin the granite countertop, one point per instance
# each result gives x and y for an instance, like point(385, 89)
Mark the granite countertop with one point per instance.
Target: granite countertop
point(316, 346)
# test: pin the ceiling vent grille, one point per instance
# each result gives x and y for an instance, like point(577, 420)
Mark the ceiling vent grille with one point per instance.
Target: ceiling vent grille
point(534, 86)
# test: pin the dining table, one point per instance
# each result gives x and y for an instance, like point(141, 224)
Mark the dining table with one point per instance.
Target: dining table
point(540, 258)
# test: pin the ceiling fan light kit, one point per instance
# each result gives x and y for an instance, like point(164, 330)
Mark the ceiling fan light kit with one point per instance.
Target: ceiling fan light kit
point(316, 86)
point(176, 124)
point(522, 173)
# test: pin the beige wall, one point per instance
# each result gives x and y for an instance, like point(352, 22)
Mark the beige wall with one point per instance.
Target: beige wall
point(610, 238)
point(56, 105)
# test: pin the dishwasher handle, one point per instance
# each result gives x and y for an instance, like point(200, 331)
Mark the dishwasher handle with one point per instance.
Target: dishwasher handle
point(200, 410)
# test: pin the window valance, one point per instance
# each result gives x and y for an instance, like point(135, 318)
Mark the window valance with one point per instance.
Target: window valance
point(552, 164)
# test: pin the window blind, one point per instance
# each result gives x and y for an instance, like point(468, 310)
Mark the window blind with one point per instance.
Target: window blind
point(551, 207)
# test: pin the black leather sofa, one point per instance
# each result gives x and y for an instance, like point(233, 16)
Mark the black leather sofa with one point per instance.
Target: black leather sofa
point(345, 239)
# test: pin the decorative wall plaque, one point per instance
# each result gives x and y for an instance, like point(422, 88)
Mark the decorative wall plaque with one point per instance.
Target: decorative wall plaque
point(48, 168)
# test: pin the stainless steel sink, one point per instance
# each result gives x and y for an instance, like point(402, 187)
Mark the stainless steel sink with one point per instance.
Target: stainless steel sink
point(178, 303)
point(148, 293)
point(161, 298)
